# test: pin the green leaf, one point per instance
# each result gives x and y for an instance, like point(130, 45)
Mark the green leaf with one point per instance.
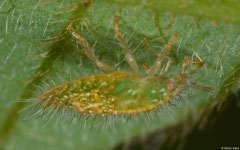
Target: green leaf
point(37, 53)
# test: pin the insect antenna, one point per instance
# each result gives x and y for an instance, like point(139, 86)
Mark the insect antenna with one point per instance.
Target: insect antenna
point(198, 87)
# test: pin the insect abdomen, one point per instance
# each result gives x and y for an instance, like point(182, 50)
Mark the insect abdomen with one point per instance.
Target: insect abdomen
point(116, 93)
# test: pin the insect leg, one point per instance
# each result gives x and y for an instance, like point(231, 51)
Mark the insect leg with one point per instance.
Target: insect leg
point(186, 64)
point(157, 64)
point(130, 59)
point(166, 70)
point(90, 53)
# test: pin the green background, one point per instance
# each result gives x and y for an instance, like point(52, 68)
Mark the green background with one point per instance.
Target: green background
point(36, 52)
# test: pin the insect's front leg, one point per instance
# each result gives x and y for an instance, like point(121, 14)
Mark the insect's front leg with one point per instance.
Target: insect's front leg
point(186, 64)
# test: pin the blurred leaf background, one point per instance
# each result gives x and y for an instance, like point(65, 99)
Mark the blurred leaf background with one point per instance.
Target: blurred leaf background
point(36, 51)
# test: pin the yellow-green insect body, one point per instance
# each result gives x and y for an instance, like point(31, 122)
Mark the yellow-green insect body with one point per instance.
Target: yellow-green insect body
point(117, 92)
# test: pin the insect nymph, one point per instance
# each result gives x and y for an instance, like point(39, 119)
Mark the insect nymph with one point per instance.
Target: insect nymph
point(119, 92)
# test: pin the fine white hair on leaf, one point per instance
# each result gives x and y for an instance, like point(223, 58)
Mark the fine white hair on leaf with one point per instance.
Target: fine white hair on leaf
point(3, 4)
point(10, 54)
point(6, 27)
point(19, 18)
point(46, 26)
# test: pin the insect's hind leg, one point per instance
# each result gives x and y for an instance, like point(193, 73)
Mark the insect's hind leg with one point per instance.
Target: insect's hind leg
point(130, 59)
point(90, 53)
